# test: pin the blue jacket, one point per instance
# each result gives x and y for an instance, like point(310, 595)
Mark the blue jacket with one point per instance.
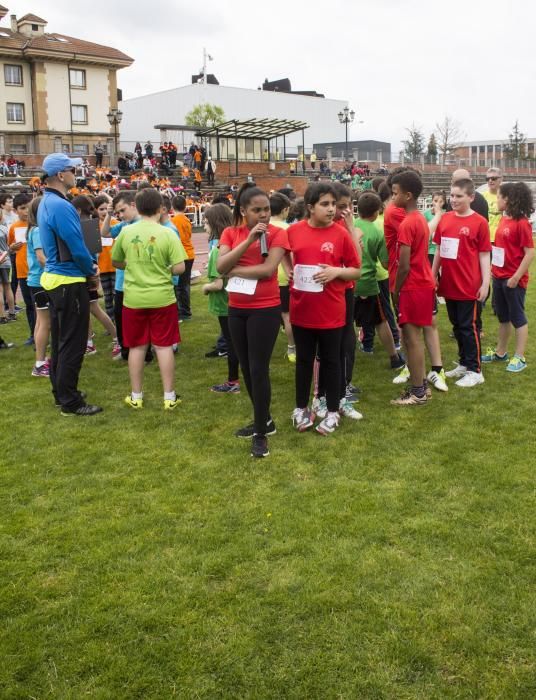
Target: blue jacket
point(57, 217)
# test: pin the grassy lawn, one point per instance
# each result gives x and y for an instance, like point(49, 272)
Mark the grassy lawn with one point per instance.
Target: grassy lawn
point(145, 555)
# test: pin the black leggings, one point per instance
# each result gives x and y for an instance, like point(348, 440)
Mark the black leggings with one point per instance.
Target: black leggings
point(254, 332)
point(328, 341)
point(347, 351)
point(232, 359)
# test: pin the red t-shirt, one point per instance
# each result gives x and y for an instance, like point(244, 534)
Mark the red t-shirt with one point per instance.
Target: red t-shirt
point(467, 237)
point(513, 235)
point(330, 245)
point(414, 233)
point(392, 219)
point(267, 291)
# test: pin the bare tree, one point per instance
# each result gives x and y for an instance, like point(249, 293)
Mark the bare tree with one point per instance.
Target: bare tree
point(449, 136)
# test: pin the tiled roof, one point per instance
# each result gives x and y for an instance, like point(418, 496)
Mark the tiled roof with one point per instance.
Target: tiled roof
point(32, 18)
point(59, 43)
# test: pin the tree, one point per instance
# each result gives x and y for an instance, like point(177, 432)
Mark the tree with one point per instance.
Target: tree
point(448, 136)
point(414, 144)
point(205, 115)
point(517, 145)
point(431, 150)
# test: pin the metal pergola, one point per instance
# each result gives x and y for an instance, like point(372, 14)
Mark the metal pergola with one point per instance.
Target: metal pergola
point(255, 129)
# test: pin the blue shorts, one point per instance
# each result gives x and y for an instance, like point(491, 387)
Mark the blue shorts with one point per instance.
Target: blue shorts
point(509, 303)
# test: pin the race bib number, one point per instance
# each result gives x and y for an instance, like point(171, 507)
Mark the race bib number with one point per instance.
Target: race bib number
point(303, 278)
point(240, 285)
point(497, 256)
point(20, 234)
point(107, 242)
point(449, 248)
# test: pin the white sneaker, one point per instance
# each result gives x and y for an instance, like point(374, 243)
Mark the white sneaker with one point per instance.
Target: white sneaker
point(320, 407)
point(348, 411)
point(458, 371)
point(437, 380)
point(302, 418)
point(329, 424)
point(402, 377)
point(471, 379)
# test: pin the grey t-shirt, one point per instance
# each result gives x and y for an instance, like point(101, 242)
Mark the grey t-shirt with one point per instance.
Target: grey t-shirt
point(6, 265)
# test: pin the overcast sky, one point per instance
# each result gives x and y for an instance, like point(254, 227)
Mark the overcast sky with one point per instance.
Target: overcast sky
point(395, 61)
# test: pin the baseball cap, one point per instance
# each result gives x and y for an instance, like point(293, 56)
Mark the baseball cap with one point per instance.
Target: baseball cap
point(57, 162)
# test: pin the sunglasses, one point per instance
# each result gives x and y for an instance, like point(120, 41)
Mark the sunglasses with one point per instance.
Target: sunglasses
point(69, 170)
point(491, 178)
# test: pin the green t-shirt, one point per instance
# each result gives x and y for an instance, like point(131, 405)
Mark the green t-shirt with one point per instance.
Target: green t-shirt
point(494, 215)
point(217, 301)
point(382, 273)
point(149, 251)
point(429, 215)
point(373, 250)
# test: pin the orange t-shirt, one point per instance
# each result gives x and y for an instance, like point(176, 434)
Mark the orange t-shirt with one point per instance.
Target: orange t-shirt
point(184, 226)
point(21, 257)
point(197, 156)
point(105, 258)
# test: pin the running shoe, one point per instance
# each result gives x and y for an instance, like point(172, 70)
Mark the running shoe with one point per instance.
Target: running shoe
point(6, 346)
point(516, 364)
point(402, 377)
point(491, 356)
point(85, 410)
point(170, 404)
point(437, 380)
point(457, 372)
point(408, 398)
point(216, 353)
point(329, 424)
point(116, 351)
point(291, 357)
point(42, 371)
point(91, 350)
point(133, 403)
point(470, 379)
point(398, 362)
point(249, 430)
point(259, 446)
point(302, 418)
point(320, 407)
point(348, 411)
point(226, 388)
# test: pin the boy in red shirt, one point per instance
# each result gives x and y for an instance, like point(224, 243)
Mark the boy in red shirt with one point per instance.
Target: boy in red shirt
point(463, 248)
point(414, 290)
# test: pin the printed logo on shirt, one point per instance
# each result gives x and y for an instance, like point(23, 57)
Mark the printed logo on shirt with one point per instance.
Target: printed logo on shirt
point(465, 231)
point(506, 231)
point(327, 247)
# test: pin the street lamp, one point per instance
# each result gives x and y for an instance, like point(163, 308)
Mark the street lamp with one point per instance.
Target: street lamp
point(346, 116)
point(114, 117)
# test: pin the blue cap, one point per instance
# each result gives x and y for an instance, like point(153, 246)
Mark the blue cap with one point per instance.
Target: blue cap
point(57, 162)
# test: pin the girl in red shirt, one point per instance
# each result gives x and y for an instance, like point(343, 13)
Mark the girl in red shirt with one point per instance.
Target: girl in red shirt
point(254, 304)
point(325, 259)
point(512, 254)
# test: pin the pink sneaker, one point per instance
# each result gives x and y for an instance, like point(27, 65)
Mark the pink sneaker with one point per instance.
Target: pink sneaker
point(42, 371)
point(116, 351)
point(91, 350)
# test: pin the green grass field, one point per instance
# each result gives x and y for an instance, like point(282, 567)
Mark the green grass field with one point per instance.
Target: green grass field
point(146, 555)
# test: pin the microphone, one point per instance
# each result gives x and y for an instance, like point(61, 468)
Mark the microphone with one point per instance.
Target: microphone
point(264, 244)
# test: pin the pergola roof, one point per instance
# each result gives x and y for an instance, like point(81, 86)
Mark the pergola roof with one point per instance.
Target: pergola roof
point(254, 128)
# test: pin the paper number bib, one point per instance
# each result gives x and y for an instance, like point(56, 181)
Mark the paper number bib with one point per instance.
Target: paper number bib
point(20, 234)
point(240, 285)
point(107, 242)
point(497, 256)
point(303, 278)
point(449, 248)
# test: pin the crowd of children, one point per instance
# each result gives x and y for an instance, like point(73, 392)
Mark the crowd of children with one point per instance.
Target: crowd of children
point(307, 265)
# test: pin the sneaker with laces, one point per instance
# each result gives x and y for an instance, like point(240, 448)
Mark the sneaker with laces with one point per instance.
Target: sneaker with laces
point(516, 364)
point(320, 407)
point(42, 371)
point(329, 424)
point(133, 403)
point(85, 410)
point(402, 377)
point(351, 393)
point(471, 379)
point(348, 411)
point(170, 404)
point(291, 357)
point(457, 372)
point(259, 446)
point(302, 418)
point(6, 346)
point(249, 430)
point(226, 388)
point(398, 362)
point(12, 317)
point(116, 351)
point(491, 356)
point(437, 380)
point(408, 398)
point(91, 350)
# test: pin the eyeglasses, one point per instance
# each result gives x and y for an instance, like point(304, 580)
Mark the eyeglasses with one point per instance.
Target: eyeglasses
point(496, 177)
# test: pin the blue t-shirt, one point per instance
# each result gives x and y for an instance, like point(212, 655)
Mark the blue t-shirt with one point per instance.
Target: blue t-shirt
point(114, 232)
point(35, 270)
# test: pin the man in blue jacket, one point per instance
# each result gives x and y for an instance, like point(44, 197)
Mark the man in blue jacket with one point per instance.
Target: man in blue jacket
point(67, 268)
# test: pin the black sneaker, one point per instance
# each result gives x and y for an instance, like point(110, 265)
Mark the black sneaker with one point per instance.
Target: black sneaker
point(249, 430)
point(397, 362)
point(6, 346)
point(85, 410)
point(216, 353)
point(259, 446)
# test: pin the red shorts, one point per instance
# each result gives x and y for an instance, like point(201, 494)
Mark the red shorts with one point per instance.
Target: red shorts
point(416, 306)
point(157, 326)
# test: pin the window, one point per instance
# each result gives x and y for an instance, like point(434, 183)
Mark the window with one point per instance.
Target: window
point(12, 75)
point(79, 114)
point(18, 149)
point(77, 79)
point(81, 149)
point(35, 27)
point(15, 112)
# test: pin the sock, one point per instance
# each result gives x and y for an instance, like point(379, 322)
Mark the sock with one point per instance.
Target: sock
point(291, 348)
point(170, 396)
point(500, 355)
point(419, 391)
point(437, 368)
point(135, 395)
point(40, 363)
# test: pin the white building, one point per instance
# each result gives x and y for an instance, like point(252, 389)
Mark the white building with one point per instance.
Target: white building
point(141, 114)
